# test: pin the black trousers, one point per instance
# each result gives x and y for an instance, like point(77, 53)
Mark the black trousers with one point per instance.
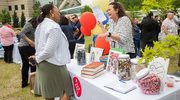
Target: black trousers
point(25, 53)
point(143, 45)
point(71, 48)
point(8, 53)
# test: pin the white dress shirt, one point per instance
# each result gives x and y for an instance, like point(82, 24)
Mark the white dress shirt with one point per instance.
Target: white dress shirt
point(51, 43)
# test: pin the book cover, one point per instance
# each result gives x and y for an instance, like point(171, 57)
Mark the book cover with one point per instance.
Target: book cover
point(76, 47)
point(91, 72)
point(119, 50)
point(93, 66)
point(92, 76)
point(112, 63)
point(95, 54)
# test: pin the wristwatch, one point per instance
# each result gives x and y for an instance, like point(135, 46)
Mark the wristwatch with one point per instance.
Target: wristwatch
point(109, 34)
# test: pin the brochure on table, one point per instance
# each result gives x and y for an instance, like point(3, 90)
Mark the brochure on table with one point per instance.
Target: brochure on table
point(120, 86)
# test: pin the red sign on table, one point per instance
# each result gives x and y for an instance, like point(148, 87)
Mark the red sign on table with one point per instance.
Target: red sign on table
point(77, 86)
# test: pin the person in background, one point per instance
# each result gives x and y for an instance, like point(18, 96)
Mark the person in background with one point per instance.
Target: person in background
point(149, 28)
point(161, 21)
point(120, 32)
point(156, 17)
point(52, 54)
point(178, 34)
point(26, 49)
point(69, 20)
point(17, 35)
point(137, 36)
point(80, 37)
point(159, 29)
point(69, 32)
point(168, 27)
point(176, 21)
point(6, 35)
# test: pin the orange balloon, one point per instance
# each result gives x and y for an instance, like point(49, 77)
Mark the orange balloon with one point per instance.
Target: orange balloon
point(85, 31)
point(102, 43)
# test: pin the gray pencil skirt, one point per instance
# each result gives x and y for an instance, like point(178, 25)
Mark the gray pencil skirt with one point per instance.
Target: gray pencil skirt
point(52, 80)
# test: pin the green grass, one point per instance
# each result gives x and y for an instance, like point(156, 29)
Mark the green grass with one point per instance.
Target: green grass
point(10, 78)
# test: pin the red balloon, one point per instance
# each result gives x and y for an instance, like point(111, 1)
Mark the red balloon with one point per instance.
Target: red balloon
point(88, 20)
point(102, 43)
point(85, 31)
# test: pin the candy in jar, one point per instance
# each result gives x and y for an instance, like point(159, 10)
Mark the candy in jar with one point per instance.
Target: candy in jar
point(124, 67)
point(81, 56)
point(148, 82)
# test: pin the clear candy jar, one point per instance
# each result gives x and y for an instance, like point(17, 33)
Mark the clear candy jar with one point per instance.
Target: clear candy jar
point(81, 56)
point(124, 67)
point(148, 82)
point(135, 68)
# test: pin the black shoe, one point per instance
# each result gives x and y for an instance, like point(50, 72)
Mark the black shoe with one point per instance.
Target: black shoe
point(23, 86)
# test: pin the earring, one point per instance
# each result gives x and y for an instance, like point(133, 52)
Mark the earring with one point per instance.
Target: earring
point(52, 15)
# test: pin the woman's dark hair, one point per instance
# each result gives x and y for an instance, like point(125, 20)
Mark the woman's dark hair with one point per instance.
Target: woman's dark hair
point(122, 12)
point(45, 12)
point(133, 19)
point(63, 21)
point(4, 22)
point(33, 21)
point(161, 17)
point(150, 21)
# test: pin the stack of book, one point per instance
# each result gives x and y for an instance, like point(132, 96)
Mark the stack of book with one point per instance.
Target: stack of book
point(93, 70)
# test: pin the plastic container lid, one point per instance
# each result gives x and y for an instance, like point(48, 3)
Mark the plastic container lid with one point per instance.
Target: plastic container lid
point(142, 73)
point(135, 61)
point(124, 56)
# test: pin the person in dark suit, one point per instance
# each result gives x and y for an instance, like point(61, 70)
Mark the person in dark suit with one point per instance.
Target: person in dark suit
point(149, 28)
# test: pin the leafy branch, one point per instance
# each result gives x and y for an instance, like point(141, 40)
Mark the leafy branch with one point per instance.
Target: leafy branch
point(163, 49)
point(162, 5)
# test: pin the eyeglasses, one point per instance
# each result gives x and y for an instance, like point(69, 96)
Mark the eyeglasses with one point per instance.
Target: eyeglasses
point(73, 17)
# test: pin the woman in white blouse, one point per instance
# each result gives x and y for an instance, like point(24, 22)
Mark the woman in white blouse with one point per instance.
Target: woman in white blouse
point(120, 31)
point(52, 54)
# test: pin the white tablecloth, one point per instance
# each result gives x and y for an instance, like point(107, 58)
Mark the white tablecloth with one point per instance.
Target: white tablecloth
point(16, 56)
point(93, 89)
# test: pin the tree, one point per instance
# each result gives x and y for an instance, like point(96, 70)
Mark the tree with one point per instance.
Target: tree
point(37, 9)
point(9, 17)
point(134, 11)
point(163, 49)
point(86, 9)
point(15, 20)
point(161, 5)
point(23, 19)
point(5, 16)
point(176, 4)
point(131, 3)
